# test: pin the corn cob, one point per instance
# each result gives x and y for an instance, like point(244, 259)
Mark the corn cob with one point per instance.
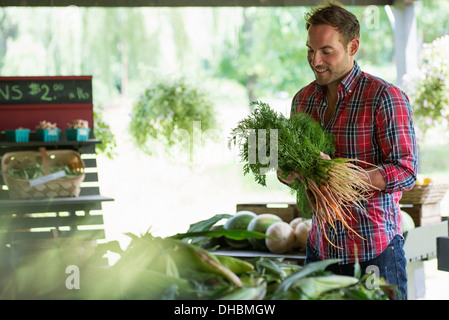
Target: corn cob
point(148, 284)
point(237, 266)
point(147, 252)
point(312, 287)
point(247, 293)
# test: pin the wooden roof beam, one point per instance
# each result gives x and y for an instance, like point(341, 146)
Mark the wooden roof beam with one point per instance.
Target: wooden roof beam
point(183, 3)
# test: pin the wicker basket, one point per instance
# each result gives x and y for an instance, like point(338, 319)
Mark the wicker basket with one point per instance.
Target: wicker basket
point(61, 187)
point(422, 194)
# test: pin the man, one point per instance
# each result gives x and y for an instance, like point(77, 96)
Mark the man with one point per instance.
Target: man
point(372, 122)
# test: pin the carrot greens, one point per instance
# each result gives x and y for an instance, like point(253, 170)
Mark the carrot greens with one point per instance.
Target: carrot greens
point(329, 188)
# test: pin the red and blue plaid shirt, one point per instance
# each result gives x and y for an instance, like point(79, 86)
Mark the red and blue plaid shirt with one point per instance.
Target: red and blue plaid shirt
point(373, 123)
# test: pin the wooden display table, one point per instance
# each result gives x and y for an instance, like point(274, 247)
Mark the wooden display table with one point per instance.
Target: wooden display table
point(296, 257)
point(287, 211)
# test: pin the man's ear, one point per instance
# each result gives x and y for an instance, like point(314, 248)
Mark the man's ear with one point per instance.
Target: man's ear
point(353, 46)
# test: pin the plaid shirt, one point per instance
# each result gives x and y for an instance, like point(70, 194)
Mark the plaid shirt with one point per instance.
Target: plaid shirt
point(373, 123)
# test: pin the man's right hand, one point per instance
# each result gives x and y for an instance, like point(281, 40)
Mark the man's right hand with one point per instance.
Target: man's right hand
point(295, 175)
point(290, 178)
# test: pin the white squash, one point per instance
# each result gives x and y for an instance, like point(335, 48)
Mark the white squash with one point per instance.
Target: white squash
point(283, 237)
point(301, 234)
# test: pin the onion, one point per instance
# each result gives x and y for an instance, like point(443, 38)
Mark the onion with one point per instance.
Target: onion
point(301, 233)
point(295, 222)
point(283, 237)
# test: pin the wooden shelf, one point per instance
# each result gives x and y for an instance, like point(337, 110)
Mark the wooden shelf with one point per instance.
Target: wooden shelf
point(85, 146)
point(26, 203)
point(37, 144)
point(67, 213)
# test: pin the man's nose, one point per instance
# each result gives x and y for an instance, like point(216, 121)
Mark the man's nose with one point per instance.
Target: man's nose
point(315, 59)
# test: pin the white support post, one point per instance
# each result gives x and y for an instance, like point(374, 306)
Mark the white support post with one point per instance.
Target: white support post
point(405, 38)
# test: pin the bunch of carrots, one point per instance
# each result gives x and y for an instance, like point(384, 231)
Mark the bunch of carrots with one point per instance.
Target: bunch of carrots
point(332, 198)
point(328, 189)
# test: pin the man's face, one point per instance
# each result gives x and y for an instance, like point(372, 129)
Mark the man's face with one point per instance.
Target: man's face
point(329, 59)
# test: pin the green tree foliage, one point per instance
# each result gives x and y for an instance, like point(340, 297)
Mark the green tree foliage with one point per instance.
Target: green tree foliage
point(432, 21)
point(115, 43)
point(270, 52)
point(261, 48)
point(104, 134)
point(78, 41)
point(8, 30)
point(270, 55)
point(376, 36)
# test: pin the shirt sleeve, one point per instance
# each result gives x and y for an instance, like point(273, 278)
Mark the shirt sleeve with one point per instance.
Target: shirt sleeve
point(396, 135)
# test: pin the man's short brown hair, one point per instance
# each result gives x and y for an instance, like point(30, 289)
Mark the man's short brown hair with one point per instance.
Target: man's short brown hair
point(333, 14)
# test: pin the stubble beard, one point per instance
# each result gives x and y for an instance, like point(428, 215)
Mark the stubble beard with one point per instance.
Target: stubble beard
point(332, 76)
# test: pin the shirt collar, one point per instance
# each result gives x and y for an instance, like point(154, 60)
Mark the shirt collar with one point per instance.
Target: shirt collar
point(352, 77)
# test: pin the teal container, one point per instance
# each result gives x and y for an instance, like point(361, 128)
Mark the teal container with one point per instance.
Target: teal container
point(48, 134)
point(80, 134)
point(18, 135)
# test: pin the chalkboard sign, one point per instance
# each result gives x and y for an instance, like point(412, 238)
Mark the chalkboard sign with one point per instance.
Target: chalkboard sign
point(25, 101)
point(45, 90)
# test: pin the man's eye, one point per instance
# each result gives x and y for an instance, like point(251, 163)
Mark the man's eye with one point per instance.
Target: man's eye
point(327, 52)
